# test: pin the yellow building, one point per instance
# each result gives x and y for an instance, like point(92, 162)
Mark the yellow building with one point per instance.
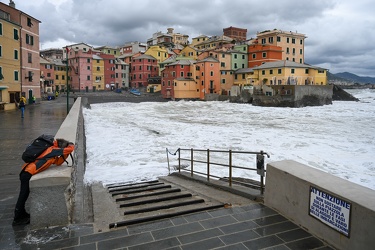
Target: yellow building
point(159, 52)
point(186, 88)
point(292, 43)
point(98, 73)
point(199, 39)
point(284, 73)
point(190, 51)
point(60, 75)
point(10, 65)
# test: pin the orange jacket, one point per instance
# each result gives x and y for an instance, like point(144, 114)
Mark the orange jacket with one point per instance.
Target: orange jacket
point(52, 155)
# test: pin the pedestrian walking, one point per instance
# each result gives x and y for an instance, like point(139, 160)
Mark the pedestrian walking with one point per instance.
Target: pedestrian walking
point(22, 105)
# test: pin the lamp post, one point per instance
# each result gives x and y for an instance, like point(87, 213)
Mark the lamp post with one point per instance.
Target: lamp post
point(67, 81)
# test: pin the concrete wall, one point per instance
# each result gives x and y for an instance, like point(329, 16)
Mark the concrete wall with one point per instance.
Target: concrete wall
point(301, 96)
point(288, 187)
point(51, 190)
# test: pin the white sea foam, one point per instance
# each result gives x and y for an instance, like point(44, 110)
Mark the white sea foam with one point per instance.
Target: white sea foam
point(126, 142)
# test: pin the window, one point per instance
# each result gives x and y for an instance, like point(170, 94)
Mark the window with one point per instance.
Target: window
point(16, 76)
point(223, 81)
point(182, 74)
point(223, 55)
point(278, 39)
point(1, 74)
point(15, 34)
point(29, 39)
point(88, 78)
point(62, 77)
point(235, 65)
point(292, 71)
point(264, 54)
point(270, 40)
point(29, 58)
point(287, 50)
point(271, 71)
point(293, 40)
point(235, 56)
point(57, 77)
point(88, 60)
point(306, 71)
point(88, 68)
point(300, 52)
point(97, 68)
point(254, 56)
point(287, 40)
point(48, 74)
point(16, 54)
point(30, 76)
point(1, 29)
point(243, 57)
point(264, 40)
point(294, 51)
point(212, 73)
point(279, 71)
point(263, 72)
point(222, 64)
point(29, 23)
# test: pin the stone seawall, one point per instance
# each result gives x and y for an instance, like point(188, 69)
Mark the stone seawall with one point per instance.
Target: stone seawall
point(299, 96)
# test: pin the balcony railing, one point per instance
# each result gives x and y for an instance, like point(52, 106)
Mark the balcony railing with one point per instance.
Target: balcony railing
point(201, 164)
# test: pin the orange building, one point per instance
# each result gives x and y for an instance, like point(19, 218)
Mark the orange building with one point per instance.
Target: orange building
point(259, 54)
point(208, 76)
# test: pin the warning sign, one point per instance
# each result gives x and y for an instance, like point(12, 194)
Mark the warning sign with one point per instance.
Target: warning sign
point(330, 210)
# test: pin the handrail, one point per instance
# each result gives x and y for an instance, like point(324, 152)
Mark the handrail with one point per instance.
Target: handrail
point(259, 164)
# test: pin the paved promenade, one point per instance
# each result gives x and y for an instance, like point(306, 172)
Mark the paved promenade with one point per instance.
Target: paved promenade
point(247, 226)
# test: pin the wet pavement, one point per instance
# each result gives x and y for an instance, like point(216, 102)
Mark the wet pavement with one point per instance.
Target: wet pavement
point(247, 226)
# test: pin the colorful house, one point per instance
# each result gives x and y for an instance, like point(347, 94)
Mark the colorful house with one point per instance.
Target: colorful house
point(259, 54)
point(80, 69)
point(60, 74)
point(208, 76)
point(292, 43)
point(177, 80)
point(10, 64)
point(98, 73)
point(287, 73)
point(161, 53)
point(28, 48)
point(142, 68)
point(47, 76)
point(121, 74)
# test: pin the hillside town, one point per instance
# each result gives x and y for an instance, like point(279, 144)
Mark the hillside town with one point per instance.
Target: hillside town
point(268, 70)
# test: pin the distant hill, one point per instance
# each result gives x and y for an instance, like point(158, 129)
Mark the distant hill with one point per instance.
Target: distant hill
point(350, 78)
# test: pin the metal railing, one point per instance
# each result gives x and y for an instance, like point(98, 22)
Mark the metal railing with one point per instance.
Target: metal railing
point(259, 165)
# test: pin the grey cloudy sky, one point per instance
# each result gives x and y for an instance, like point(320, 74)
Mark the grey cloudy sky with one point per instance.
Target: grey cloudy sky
point(340, 33)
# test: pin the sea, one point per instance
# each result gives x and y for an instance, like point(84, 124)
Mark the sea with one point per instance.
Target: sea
point(132, 142)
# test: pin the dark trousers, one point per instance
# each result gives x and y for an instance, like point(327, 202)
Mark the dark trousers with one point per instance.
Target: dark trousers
point(24, 194)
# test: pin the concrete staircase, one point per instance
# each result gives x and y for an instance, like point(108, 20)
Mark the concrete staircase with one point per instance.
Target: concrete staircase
point(154, 200)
